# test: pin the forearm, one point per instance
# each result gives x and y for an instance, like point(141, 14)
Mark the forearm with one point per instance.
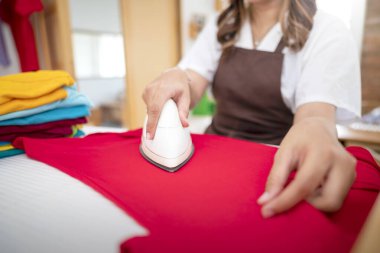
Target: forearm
point(315, 113)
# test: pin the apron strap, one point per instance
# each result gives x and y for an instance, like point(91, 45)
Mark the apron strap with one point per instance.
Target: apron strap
point(280, 46)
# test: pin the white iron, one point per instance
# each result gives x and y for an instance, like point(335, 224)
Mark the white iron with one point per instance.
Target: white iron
point(171, 146)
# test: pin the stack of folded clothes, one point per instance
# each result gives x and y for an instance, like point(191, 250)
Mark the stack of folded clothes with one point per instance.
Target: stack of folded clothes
point(41, 104)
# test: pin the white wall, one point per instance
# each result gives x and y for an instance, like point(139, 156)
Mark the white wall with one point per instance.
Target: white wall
point(188, 8)
point(358, 13)
point(95, 15)
point(98, 16)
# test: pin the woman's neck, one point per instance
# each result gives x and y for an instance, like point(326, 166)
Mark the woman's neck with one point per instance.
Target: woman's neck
point(265, 14)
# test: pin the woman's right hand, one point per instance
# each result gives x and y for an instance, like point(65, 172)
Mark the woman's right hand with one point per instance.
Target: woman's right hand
point(172, 84)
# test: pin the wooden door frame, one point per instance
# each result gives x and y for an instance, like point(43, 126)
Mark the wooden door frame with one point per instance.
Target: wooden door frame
point(152, 44)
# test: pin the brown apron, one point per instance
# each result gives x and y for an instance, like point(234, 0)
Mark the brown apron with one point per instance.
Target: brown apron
point(247, 90)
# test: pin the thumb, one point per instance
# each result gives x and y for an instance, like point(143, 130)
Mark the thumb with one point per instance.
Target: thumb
point(278, 176)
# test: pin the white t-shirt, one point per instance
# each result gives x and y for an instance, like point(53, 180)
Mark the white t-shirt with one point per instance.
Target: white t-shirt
point(325, 70)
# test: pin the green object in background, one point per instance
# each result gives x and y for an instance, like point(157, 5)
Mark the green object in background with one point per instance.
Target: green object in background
point(205, 107)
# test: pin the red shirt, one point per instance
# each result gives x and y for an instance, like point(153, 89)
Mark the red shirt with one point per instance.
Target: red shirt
point(209, 205)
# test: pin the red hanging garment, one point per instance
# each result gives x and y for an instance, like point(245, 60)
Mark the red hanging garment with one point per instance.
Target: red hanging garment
point(16, 13)
point(209, 205)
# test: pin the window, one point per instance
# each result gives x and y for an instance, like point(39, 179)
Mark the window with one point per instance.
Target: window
point(98, 55)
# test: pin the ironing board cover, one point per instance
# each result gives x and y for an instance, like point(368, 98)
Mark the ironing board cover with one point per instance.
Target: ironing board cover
point(210, 204)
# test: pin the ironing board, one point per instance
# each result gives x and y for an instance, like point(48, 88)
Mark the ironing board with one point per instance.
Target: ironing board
point(45, 210)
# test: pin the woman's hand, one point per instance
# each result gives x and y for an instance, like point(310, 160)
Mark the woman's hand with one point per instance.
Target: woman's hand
point(174, 83)
point(184, 87)
point(325, 170)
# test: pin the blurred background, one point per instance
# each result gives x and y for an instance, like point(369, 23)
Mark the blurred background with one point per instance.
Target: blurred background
point(114, 48)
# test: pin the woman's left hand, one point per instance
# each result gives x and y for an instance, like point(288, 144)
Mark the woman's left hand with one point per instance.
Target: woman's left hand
point(325, 170)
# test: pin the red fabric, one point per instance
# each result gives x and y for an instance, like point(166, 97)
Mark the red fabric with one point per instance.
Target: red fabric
point(39, 127)
point(16, 13)
point(55, 129)
point(55, 132)
point(209, 205)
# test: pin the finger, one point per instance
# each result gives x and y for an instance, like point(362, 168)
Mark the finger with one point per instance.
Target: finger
point(335, 189)
point(183, 118)
point(183, 104)
point(308, 178)
point(282, 166)
point(154, 109)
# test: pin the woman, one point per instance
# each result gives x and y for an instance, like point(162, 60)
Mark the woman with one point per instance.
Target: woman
point(282, 72)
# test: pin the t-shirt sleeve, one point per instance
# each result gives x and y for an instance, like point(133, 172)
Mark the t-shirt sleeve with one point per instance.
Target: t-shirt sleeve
point(204, 55)
point(331, 71)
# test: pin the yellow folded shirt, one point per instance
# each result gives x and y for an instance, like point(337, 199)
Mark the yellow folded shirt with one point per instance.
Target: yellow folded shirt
point(6, 147)
point(32, 84)
point(15, 105)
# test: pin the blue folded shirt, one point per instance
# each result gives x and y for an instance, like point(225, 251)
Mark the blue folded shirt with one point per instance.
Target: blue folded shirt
point(49, 116)
point(10, 152)
point(73, 98)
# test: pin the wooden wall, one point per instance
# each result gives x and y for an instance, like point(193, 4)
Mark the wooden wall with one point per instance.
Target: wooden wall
point(52, 28)
point(151, 37)
point(371, 57)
